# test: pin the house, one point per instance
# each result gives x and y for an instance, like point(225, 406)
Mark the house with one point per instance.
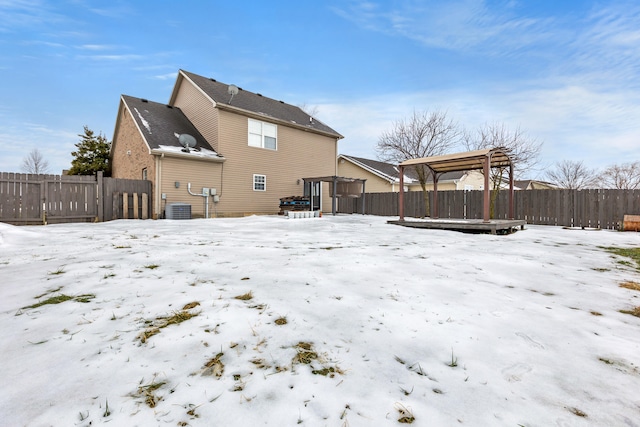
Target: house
point(383, 177)
point(532, 184)
point(223, 150)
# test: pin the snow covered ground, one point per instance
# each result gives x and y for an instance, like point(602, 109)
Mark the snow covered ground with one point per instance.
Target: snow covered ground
point(350, 322)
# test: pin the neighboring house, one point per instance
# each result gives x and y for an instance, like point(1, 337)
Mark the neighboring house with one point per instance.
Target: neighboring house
point(532, 184)
point(248, 149)
point(384, 177)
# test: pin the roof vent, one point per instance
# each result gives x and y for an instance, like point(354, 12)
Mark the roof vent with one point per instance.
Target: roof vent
point(259, 94)
point(143, 100)
point(169, 106)
point(213, 80)
point(281, 102)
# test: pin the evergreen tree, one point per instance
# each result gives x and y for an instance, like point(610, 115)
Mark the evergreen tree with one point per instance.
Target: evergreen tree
point(92, 155)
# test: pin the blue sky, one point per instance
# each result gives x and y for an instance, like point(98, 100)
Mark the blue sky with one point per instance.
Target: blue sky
point(566, 73)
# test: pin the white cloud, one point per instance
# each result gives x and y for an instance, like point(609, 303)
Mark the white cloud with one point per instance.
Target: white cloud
point(122, 57)
point(96, 47)
point(573, 122)
point(16, 141)
point(18, 14)
point(167, 76)
point(465, 25)
point(583, 99)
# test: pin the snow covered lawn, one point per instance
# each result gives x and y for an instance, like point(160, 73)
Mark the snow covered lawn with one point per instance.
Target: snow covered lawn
point(334, 321)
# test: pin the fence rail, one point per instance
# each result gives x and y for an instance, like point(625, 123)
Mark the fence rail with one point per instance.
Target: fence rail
point(570, 208)
point(41, 199)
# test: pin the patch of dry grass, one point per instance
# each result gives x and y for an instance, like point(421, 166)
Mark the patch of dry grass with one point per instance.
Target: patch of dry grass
point(405, 414)
point(634, 286)
point(147, 392)
point(633, 253)
point(85, 298)
point(162, 322)
point(634, 311)
point(306, 355)
point(214, 366)
point(245, 297)
point(191, 305)
point(577, 412)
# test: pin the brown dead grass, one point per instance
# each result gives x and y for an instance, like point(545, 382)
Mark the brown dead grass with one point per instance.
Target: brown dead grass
point(162, 322)
point(245, 297)
point(578, 412)
point(634, 311)
point(147, 392)
point(305, 353)
point(214, 367)
point(634, 286)
point(191, 305)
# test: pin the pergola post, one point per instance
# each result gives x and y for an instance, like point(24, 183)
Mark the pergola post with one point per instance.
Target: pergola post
point(335, 195)
point(435, 194)
point(511, 210)
point(487, 192)
point(401, 194)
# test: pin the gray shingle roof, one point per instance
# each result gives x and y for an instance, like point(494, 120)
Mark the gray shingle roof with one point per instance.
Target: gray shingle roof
point(162, 124)
point(258, 104)
point(390, 170)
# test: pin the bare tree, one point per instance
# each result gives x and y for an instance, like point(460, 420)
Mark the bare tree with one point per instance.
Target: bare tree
point(625, 176)
point(35, 163)
point(423, 134)
point(573, 175)
point(523, 151)
point(311, 110)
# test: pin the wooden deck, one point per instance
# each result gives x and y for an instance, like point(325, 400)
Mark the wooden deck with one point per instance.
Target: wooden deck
point(495, 226)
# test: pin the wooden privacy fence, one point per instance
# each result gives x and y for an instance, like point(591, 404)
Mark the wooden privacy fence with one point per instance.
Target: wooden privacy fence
point(41, 199)
point(571, 208)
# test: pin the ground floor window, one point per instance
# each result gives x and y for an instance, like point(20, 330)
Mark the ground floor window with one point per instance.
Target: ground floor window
point(259, 182)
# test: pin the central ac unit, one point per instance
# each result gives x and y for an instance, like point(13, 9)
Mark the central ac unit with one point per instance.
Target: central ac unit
point(178, 211)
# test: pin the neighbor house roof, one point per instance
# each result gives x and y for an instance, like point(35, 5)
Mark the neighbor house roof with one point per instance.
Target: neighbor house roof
point(532, 184)
point(161, 125)
point(256, 104)
point(390, 171)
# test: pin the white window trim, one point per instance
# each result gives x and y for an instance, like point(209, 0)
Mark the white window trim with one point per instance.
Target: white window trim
point(263, 183)
point(262, 134)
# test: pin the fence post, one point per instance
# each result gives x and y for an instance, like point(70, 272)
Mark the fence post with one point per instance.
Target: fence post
point(43, 200)
point(145, 206)
point(100, 196)
point(125, 205)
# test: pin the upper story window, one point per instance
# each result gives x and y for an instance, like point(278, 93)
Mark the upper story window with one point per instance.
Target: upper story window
point(263, 135)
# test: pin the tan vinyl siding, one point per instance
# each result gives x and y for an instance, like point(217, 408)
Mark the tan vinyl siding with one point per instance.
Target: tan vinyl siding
point(299, 155)
point(474, 179)
point(200, 111)
point(199, 173)
point(374, 184)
